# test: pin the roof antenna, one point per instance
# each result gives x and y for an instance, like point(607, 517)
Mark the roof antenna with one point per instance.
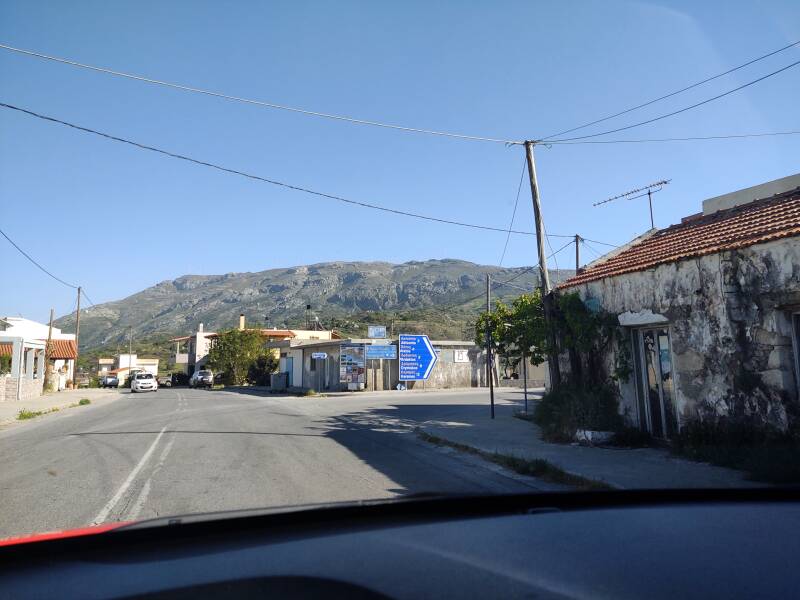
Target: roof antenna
point(647, 190)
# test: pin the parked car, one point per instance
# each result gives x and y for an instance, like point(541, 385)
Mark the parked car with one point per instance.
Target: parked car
point(202, 378)
point(109, 381)
point(165, 380)
point(144, 382)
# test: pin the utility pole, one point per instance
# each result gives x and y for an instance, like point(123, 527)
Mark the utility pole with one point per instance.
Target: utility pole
point(547, 298)
point(47, 352)
point(77, 340)
point(577, 253)
point(489, 359)
point(650, 202)
point(537, 215)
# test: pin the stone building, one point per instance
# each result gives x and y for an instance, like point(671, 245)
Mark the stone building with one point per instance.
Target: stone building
point(710, 310)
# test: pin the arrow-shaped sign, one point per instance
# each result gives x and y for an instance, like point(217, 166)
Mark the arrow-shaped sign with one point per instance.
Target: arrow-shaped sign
point(417, 357)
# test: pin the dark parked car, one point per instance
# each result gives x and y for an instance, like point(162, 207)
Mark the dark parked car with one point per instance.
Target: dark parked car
point(109, 381)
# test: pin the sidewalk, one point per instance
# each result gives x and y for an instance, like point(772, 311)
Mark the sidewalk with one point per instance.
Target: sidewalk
point(60, 400)
point(623, 468)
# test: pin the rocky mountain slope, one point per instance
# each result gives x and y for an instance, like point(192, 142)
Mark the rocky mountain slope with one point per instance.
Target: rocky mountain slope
point(278, 297)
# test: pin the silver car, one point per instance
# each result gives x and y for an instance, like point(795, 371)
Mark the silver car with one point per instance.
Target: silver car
point(144, 382)
point(202, 378)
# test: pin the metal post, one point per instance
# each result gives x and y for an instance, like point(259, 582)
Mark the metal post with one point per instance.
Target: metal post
point(77, 340)
point(650, 202)
point(489, 361)
point(525, 379)
point(577, 253)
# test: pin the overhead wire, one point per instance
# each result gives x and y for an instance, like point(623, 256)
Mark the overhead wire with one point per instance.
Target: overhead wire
point(679, 111)
point(35, 262)
point(261, 103)
point(675, 139)
point(675, 93)
point(259, 178)
point(513, 213)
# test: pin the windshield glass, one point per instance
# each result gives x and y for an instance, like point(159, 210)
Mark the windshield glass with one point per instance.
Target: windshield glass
point(380, 250)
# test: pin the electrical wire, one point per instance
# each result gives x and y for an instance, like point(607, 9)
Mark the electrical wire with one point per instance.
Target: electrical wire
point(681, 110)
point(40, 267)
point(675, 93)
point(514, 213)
point(601, 243)
point(262, 179)
point(680, 139)
point(273, 105)
point(87, 298)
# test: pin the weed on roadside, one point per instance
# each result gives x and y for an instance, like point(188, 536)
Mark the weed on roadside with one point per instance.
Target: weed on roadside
point(536, 468)
point(28, 414)
point(84, 402)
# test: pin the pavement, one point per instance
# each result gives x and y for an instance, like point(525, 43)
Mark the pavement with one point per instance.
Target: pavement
point(179, 451)
point(623, 468)
point(56, 400)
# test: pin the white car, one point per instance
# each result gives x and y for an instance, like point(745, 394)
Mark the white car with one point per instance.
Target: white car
point(144, 382)
point(202, 378)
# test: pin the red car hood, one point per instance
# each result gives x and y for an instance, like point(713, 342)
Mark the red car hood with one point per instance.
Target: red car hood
point(54, 535)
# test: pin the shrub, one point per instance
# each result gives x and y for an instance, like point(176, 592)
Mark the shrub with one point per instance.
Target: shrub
point(632, 437)
point(84, 402)
point(766, 454)
point(570, 407)
point(261, 369)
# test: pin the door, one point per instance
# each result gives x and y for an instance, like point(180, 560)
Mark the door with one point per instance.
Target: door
point(655, 382)
point(289, 370)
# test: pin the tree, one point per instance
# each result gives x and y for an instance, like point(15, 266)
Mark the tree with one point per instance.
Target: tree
point(234, 352)
point(515, 330)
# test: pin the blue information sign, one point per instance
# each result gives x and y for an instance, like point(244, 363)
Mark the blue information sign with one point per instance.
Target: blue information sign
point(417, 357)
point(376, 352)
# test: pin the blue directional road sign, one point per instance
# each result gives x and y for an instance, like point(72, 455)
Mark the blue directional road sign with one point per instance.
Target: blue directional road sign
point(417, 357)
point(376, 352)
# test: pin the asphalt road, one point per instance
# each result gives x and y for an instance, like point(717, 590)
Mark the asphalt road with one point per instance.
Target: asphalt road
point(179, 451)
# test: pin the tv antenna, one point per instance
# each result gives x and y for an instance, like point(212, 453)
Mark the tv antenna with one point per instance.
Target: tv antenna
point(647, 190)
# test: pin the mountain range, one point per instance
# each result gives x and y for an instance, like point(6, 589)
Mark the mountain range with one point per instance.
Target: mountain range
point(341, 295)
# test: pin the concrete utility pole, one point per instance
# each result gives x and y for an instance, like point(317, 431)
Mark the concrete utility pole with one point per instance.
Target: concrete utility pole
point(77, 340)
point(547, 298)
point(577, 253)
point(489, 359)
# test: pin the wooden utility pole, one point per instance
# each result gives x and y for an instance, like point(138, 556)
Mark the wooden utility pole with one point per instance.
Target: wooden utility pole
point(547, 297)
point(489, 359)
point(47, 353)
point(577, 253)
point(544, 277)
point(77, 338)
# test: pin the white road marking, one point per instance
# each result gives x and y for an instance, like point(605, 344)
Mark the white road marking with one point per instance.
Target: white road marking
point(106, 510)
point(133, 514)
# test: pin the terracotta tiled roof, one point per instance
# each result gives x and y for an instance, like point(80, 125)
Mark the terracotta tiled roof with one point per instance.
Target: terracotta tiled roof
point(59, 349)
point(62, 349)
point(738, 227)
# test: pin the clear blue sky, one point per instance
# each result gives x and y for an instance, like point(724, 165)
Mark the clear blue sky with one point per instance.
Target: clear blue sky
point(116, 219)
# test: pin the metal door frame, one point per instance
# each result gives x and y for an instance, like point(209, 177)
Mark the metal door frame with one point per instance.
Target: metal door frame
point(643, 388)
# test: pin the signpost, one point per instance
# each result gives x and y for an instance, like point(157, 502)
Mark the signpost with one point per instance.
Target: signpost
point(375, 352)
point(376, 331)
point(417, 357)
point(319, 355)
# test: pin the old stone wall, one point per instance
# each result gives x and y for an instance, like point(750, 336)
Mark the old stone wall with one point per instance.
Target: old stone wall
point(729, 317)
point(29, 389)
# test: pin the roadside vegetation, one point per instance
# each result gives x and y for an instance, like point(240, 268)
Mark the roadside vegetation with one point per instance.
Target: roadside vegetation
point(241, 357)
point(540, 468)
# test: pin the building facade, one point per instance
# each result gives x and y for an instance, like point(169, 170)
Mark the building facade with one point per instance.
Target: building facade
point(710, 310)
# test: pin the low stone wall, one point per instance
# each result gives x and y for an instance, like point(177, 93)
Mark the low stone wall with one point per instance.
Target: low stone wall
point(28, 389)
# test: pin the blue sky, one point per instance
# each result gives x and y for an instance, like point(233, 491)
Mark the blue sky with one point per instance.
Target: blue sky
point(116, 220)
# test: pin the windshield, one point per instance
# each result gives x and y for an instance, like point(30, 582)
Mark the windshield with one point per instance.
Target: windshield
point(382, 250)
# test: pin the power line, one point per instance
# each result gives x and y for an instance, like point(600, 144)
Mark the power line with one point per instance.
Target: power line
point(602, 243)
point(40, 267)
point(514, 213)
point(273, 105)
point(262, 179)
point(87, 298)
point(675, 93)
point(677, 139)
point(681, 110)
